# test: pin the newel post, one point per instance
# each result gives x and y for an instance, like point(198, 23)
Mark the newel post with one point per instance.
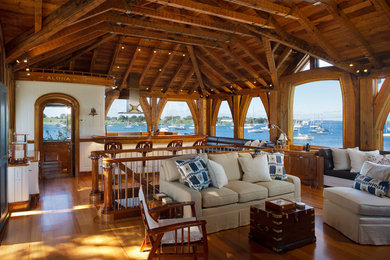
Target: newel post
point(95, 194)
point(107, 210)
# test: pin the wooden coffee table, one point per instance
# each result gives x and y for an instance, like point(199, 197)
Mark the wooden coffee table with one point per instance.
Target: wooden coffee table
point(282, 231)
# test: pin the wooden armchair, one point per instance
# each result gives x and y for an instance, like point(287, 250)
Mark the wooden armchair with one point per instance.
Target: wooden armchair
point(175, 143)
point(174, 237)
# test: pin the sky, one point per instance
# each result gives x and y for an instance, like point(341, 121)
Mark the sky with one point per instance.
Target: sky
point(315, 100)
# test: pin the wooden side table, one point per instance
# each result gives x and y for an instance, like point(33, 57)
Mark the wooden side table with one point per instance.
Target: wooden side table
point(282, 231)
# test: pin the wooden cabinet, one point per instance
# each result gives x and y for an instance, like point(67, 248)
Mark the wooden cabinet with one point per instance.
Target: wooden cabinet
point(18, 183)
point(308, 166)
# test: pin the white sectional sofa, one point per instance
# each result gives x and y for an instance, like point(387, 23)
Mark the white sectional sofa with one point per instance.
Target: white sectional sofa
point(226, 207)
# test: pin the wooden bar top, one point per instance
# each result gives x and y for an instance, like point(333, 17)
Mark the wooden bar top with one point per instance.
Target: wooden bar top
point(133, 139)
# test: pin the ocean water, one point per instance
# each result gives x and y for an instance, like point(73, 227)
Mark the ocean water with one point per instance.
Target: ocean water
point(333, 138)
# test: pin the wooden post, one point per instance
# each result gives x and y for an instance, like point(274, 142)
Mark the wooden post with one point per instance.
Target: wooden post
point(95, 194)
point(107, 210)
point(202, 116)
point(367, 132)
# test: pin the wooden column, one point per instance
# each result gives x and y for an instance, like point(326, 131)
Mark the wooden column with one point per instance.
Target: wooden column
point(95, 194)
point(155, 120)
point(202, 106)
point(238, 130)
point(107, 210)
point(367, 131)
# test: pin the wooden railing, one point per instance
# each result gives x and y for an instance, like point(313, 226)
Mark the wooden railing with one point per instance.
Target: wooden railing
point(118, 174)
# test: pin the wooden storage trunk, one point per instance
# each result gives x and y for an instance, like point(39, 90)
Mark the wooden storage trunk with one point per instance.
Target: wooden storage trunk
point(282, 231)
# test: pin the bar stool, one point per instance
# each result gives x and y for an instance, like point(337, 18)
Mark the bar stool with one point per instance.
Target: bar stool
point(200, 142)
point(109, 146)
point(175, 143)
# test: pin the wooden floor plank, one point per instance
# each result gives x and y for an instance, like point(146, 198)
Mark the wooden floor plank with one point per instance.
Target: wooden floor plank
point(66, 226)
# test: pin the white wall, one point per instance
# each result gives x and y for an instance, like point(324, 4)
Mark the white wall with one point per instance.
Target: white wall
point(88, 96)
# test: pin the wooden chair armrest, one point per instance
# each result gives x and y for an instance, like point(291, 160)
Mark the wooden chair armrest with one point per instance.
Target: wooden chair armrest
point(177, 226)
point(174, 205)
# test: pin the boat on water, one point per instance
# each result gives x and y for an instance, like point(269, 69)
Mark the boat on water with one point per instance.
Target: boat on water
point(322, 131)
point(128, 126)
point(257, 130)
point(164, 129)
point(265, 128)
point(303, 137)
point(181, 127)
point(248, 126)
point(386, 134)
point(191, 127)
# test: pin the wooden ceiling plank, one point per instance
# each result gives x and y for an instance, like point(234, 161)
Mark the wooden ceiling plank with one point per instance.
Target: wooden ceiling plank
point(133, 56)
point(115, 55)
point(215, 81)
point(171, 55)
point(266, 6)
point(178, 70)
point(190, 50)
point(341, 17)
point(252, 54)
point(283, 57)
point(271, 61)
point(382, 5)
point(53, 23)
point(244, 64)
point(93, 60)
point(187, 78)
point(229, 67)
point(215, 11)
point(148, 65)
point(37, 15)
point(213, 68)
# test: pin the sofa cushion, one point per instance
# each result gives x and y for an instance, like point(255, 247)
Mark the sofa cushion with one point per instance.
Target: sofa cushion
point(229, 161)
point(379, 158)
point(277, 187)
point(213, 197)
point(358, 157)
point(358, 202)
point(171, 172)
point(247, 191)
point(341, 159)
point(255, 169)
point(194, 173)
point(217, 174)
point(328, 158)
point(341, 174)
point(368, 184)
point(378, 171)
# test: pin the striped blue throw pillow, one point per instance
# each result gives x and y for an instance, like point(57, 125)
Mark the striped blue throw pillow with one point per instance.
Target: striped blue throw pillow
point(194, 173)
point(371, 185)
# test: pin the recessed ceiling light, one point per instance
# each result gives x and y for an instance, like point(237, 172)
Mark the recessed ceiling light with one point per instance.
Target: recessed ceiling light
point(17, 61)
point(25, 60)
point(357, 71)
point(123, 47)
point(139, 49)
point(351, 64)
point(154, 51)
point(365, 70)
point(117, 67)
point(159, 69)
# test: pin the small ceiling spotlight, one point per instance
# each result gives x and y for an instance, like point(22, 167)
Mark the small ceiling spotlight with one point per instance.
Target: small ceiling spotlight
point(27, 69)
point(139, 49)
point(25, 60)
point(184, 54)
point(231, 86)
point(28, 74)
point(357, 71)
point(147, 88)
point(17, 61)
point(169, 53)
point(123, 47)
point(270, 85)
point(117, 67)
point(162, 89)
point(351, 64)
point(154, 51)
point(159, 69)
point(365, 70)
point(254, 82)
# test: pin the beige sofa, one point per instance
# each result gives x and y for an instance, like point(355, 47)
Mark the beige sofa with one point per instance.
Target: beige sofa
point(362, 217)
point(227, 207)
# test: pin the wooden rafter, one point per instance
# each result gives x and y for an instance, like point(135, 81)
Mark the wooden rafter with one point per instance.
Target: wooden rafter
point(57, 20)
point(215, 11)
point(133, 56)
point(244, 64)
point(37, 15)
point(251, 53)
point(341, 17)
point(190, 50)
point(283, 57)
point(215, 81)
point(229, 67)
point(276, 46)
point(93, 59)
point(161, 72)
point(382, 5)
point(187, 78)
point(178, 70)
point(271, 61)
point(148, 65)
point(115, 54)
point(301, 63)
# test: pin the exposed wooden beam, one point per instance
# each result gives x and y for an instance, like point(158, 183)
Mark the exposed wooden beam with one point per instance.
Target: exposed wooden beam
point(244, 64)
point(147, 67)
point(37, 15)
point(215, 11)
point(301, 63)
point(215, 81)
point(133, 56)
point(229, 67)
point(118, 48)
point(54, 22)
point(283, 57)
point(266, 6)
point(251, 53)
point(276, 46)
point(93, 60)
point(190, 50)
point(341, 17)
point(187, 78)
point(178, 70)
point(271, 61)
point(161, 72)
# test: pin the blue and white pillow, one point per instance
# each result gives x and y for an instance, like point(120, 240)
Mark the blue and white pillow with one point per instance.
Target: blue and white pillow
point(371, 185)
point(194, 173)
point(275, 164)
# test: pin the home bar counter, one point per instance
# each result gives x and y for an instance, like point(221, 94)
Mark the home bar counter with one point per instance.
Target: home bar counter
point(135, 137)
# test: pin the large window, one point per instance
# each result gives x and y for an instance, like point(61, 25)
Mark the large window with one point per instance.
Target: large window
point(317, 114)
point(177, 117)
point(57, 122)
point(256, 122)
point(225, 127)
point(117, 121)
point(386, 134)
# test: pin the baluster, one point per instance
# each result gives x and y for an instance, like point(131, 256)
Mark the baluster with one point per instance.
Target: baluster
point(132, 183)
point(118, 171)
point(107, 210)
point(127, 184)
point(94, 195)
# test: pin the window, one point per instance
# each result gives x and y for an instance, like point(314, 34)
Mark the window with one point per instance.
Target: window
point(386, 134)
point(224, 127)
point(322, 63)
point(378, 83)
point(57, 123)
point(117, 121)
point(256, 122)
point(317, 114)
point(177, 117)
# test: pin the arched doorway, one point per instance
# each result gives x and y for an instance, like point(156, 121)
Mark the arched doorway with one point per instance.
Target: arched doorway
point(59, 151)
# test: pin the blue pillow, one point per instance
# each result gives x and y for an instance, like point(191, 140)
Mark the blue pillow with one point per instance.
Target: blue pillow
point(276, 164)
point(194, 173)
point(371, 185)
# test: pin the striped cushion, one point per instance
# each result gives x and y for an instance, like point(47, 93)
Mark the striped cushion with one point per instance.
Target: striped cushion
point(371, 185)
point(194, 173)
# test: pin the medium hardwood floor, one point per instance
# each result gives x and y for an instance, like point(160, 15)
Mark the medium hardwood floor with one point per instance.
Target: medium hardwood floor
point(65, 226)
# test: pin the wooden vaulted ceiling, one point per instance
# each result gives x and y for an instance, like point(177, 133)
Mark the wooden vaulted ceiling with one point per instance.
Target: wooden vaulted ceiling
point(213, 47)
